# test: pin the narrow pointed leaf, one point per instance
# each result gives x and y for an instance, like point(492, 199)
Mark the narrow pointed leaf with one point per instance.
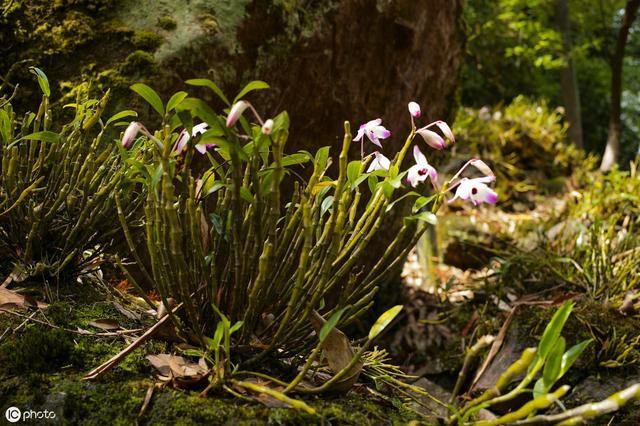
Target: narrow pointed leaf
point(383, 321)
point(330, 324)
point(553, 330)
point(149, 95)
point(204, 82)
point(175, 100)
point(254, 85)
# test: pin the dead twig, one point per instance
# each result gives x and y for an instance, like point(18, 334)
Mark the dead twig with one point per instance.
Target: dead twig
point(115, 360)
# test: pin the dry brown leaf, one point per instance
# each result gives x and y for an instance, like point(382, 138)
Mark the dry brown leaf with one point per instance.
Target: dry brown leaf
point(161, 363)
point(12, 300)
point(105, 324)
point(339, 353)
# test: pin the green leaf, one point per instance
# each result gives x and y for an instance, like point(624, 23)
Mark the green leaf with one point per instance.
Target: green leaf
point(572, 355)
point(281, 122)
point(175, 100)
point(44, 136)
point(218, 335)
point(421, 202)
point(157, 175)
point(216, 221)
point(326, 205)
point(408, 194)
point(552, 365)
point(383, 321)
point(121, 115)
point(539, 388)
point(149, 95)
point(553, 330)
point(254, 85)
point(236, 327)
point(200, 109)
point(5, 126)
point(204, 82)
point(322, 156)
point(246, 195)
point(372, 182)
point(330, 324)
point(353, 171)
point(425, 217)
point(192, 352)
point(359, 180)
point(387, 189)
point(43, 81)
point(297, 158)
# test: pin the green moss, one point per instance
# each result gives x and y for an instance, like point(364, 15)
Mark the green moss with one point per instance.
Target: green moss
point(173, 407)
point(167, 23)
point(39, 350)
point(139, 64)
point(60, 313)
point(147, 40)
point(76, 29)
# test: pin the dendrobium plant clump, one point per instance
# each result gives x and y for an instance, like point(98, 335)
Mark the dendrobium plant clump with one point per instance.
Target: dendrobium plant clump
point(229, 248)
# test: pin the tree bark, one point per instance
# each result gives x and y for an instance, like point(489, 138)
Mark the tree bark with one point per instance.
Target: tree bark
point(612, 150)
point(568, 77)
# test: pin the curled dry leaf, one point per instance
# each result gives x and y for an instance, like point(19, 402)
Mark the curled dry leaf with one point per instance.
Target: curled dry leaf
point(339, 353)
point(105, 324)
point(182, 372)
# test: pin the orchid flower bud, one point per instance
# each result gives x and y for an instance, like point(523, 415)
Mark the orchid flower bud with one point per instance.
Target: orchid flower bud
point(432, 139)
point(181, 142)
point(130, 133)
point(414, 109)
point(482, 166)
point(267, 127)
point(236, 111)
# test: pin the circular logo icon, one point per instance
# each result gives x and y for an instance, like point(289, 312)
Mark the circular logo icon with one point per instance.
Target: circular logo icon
point(13, 414)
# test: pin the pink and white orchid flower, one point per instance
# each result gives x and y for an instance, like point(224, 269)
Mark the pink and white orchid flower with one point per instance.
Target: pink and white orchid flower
point(476, 190)
point(414, 109)
point(379, 162)
point(236, 111)
point(374, 130)
point(421, 170)
point(130, 133)
point(183, 138)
